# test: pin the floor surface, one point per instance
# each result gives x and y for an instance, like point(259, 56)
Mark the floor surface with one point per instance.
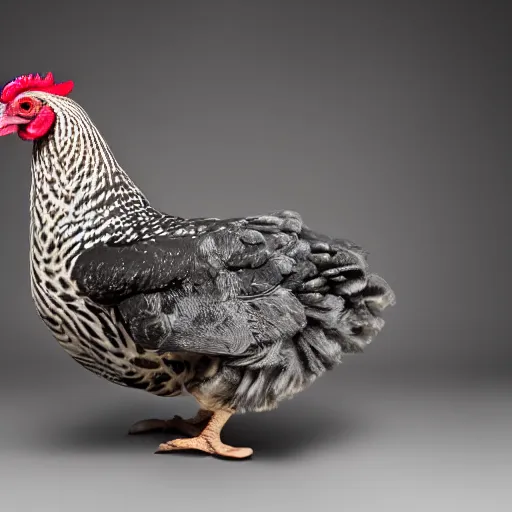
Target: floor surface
point(368, 442)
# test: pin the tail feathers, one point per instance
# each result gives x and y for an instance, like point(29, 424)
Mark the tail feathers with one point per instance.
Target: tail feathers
point(342, 304)
point(340, 295)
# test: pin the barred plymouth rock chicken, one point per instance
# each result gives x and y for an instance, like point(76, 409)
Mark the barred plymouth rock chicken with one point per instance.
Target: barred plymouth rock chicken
point(240, 313)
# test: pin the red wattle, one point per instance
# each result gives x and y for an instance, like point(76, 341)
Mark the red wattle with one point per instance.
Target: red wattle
point(40, 126)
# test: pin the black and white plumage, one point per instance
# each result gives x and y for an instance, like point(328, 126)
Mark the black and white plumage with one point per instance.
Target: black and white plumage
point(242, 313)
point(277, 305)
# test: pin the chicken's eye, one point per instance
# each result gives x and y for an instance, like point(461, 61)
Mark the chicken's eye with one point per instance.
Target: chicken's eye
point(27, 107)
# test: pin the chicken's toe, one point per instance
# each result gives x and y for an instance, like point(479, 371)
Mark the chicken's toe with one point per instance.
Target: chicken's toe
point(203, 444)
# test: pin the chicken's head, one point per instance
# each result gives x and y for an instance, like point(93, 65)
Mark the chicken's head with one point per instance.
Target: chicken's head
point(23, 112)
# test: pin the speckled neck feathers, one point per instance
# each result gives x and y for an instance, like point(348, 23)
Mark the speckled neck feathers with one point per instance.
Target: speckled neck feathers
point(78, 188)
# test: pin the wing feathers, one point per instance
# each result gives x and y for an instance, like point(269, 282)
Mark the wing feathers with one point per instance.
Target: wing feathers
point(244, 284)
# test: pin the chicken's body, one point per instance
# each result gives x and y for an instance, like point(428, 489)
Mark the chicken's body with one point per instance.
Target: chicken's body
point(241, 313)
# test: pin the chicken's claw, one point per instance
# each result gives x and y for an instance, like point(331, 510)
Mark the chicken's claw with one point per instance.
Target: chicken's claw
point(208, 440)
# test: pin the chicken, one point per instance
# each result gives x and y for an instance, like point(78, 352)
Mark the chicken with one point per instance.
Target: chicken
point(240, 313)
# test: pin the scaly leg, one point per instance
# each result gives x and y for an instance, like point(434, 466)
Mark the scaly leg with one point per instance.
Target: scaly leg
point(190, 427)
point(209, 440)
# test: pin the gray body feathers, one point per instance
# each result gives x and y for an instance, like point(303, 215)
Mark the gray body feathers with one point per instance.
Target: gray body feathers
point(277, 303)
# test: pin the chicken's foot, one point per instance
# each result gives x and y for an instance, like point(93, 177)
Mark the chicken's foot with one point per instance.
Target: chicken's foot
point(190, 427)
point(209, 440)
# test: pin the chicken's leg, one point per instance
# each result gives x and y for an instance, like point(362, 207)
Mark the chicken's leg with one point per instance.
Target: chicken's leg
point(190, 427)
point(209, 440)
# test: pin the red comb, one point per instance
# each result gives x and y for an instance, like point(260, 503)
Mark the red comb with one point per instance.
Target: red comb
point(34, 83)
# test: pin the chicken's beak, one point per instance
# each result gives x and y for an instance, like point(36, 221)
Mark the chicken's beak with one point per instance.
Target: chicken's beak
point(10, 124)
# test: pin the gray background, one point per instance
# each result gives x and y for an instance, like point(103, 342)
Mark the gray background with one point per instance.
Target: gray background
point(384, 122)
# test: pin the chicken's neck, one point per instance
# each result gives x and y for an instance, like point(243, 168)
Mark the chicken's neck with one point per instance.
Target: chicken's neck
point(79, 191)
